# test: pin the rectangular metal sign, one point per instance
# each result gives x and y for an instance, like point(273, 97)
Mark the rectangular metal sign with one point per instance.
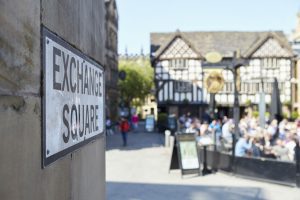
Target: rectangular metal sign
point(189, 155)
point(73, 98)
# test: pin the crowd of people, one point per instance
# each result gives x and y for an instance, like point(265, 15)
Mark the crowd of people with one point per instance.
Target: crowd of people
point(276, 140)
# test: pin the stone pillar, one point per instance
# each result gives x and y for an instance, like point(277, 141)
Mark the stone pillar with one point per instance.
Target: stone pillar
point(80, 174)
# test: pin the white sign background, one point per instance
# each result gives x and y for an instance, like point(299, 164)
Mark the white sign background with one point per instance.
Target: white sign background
point(54, 100)
point(189, 155)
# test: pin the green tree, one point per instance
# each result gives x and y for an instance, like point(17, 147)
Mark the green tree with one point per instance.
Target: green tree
point(138, 82)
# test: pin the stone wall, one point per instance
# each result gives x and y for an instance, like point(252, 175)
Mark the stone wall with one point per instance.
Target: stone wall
point(112, 94)
point(81, 174)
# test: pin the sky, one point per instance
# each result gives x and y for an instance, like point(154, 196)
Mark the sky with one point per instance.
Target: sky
point(138, 18)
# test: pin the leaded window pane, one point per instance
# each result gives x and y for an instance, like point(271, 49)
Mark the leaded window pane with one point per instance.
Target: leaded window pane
point(178, 64)
point(181, 86)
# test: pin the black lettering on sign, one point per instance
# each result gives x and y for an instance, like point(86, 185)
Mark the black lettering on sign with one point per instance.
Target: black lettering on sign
point(96, 87)
point(74, 126)
point(81, 121)
point(56, 68)
point(66, 123)
point(92, 81)
point(80, 78)
point(96, 117)
point(72, 63)
point(65, 80)
point(87, 118)
point(83, 80)
point(92, 118)
point(86, 80)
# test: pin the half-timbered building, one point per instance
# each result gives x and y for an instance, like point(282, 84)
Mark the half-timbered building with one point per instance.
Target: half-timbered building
point(179, 71)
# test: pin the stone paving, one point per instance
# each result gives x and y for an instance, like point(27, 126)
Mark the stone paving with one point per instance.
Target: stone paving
point(140, 171)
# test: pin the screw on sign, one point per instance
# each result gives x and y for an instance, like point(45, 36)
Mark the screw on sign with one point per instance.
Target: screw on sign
point(214, 82)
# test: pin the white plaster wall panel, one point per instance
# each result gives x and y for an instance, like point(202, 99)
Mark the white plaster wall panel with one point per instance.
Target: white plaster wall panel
point(257, 97)
point(176, 96)
point(165, 76)
point(217, 98)
point(244, 98)
point(192, 77)
point(282, 98)
point(166, 91)
point(230, 98)
point(158, 70)
point(160, 93)
point(224, 98)
point(195, 92)
point(171, 90)
point(268, 98)
point(165, 63)
point(182, 96)
point(189, 96)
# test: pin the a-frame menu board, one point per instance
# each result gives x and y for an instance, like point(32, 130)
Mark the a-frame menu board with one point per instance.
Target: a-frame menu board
point(187, 154)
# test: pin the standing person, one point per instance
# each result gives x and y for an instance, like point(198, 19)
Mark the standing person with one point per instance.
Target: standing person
point(227, 131)
point(273, 130)
point(182, 119)
point(124, 128)
point(188, 121)
point(206, 117)
point(135, 121)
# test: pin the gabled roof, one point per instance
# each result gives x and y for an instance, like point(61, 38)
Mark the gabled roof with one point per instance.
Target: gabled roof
point(176, 35)
point(281, 40)
point(224, 42)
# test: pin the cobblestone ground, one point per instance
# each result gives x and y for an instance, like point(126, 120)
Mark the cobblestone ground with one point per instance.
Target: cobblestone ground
point(140, 171)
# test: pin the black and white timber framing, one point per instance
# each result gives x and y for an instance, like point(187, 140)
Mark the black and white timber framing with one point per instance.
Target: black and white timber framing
point(179, 76)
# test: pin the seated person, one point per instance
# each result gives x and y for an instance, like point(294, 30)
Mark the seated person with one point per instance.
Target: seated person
point(243, 146)
point(280, 151)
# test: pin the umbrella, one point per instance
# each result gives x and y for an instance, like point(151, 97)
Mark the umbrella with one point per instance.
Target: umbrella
point(275, 107)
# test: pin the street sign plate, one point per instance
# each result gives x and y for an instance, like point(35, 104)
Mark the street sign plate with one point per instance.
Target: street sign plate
point(73, 98)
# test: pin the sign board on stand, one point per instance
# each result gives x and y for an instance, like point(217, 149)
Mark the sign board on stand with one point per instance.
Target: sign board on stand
point(150, 123)
point(73, 98)
point(187, 154)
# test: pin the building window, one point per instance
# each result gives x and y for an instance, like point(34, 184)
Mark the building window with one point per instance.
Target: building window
point(269, 63)
point(181, 86)
point(244, 87)
point(152, 111)
point(178, 64)
point(254, 88)
point(228, 87)
point(268, 87)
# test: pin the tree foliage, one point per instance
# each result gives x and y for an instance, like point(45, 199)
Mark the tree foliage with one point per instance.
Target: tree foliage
point(138, 82)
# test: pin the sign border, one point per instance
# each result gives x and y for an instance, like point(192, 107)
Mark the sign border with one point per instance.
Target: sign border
point(45, 32)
